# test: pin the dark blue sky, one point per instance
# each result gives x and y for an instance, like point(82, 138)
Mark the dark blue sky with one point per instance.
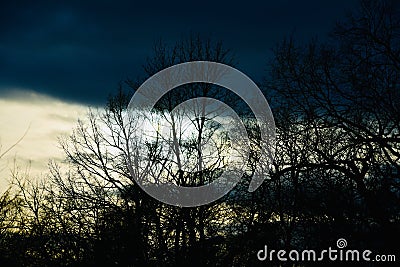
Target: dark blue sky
point(80, 51)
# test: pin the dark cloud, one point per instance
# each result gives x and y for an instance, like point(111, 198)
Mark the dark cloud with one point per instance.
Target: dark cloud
point(81, 50)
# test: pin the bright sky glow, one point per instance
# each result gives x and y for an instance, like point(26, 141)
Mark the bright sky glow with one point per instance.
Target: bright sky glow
point(44, 118)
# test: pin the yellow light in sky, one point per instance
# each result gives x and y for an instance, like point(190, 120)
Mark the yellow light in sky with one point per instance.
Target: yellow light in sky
point(44, 118)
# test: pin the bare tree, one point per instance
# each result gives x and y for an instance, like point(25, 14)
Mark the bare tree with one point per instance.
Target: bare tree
point(339, 107)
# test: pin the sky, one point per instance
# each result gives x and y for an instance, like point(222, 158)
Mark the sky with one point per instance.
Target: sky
point(56, 59)
point(40, 120)
point(81, 50)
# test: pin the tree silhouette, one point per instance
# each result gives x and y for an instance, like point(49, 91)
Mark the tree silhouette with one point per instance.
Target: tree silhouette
point(340, 101)
point(335, 173)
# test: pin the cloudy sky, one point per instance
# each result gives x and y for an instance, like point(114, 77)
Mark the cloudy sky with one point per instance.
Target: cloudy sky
point(56, 59)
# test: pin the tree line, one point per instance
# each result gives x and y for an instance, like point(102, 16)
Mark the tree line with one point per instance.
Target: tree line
point(336, 170)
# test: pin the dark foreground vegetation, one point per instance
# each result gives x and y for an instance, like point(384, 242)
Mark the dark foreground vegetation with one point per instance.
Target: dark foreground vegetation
point(336, 172)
